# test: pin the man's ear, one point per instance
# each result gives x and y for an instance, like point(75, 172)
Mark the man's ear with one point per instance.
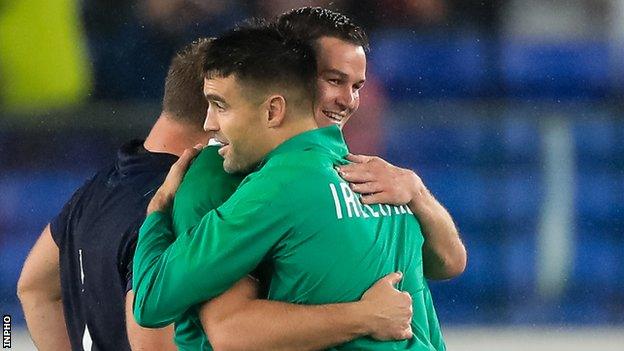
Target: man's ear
point(276, 110)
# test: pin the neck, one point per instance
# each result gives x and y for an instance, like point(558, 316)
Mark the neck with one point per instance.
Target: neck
point(295, 127)
point(173, 137)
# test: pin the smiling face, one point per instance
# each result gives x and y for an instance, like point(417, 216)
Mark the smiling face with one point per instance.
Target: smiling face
point(341, 74)
point(236, 122)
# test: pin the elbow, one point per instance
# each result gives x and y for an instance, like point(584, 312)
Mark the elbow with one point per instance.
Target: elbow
point(23, 289)
point(456, 265)
point(219, 334)
point(449, 266)
point(26, 288)
point(31, 290)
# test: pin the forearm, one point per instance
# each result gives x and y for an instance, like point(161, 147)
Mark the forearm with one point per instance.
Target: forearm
point(45, 321)
point(153, 306)
point(172, 274)
point(273, 325)
point(444, 254)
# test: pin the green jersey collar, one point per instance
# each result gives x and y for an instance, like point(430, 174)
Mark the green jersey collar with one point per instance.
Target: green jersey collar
point(329, 139)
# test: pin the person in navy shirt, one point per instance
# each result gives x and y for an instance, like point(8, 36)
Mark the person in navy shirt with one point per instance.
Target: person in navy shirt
point(79, 270)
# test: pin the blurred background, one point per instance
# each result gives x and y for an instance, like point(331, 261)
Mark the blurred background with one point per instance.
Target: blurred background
point(511, 112)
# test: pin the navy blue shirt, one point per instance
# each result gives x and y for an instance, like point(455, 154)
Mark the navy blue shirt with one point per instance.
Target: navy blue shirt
point(96, 232)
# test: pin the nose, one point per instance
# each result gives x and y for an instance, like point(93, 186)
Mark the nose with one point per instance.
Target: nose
point(347, 98)
point(210, 123)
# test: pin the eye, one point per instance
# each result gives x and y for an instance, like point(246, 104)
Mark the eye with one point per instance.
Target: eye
point(334, 81)
point(217, 104)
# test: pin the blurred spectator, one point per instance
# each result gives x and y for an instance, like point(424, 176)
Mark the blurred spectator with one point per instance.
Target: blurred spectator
point(132, 42)
point(426, 14)
point(43, 64)
point(365, 131)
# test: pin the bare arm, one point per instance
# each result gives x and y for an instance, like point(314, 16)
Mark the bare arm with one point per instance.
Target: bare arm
point(444, 254)
point(39, 291)
point(383, 312)
point(160, 339)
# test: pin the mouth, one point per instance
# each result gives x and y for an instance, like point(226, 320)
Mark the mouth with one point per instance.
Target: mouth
point(216, 141)
point(223, 149)
point(334, 117)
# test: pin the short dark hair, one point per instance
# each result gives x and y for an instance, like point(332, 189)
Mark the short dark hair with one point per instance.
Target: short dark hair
point(260, 58)
point(311, 23)
point(184, 97)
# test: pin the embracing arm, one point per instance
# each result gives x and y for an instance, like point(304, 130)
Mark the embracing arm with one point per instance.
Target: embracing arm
point(444, 254)
point(383, 312)
point(39, 291)
point(172, 274)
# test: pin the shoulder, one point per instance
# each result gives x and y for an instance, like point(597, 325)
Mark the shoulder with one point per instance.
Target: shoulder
point(205, 187)
point(91, 186)
point(206, 176)
point(71, 212)
point(207, 168)
point(287, 179)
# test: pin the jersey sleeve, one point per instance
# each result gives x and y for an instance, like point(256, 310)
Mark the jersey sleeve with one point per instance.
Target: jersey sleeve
point(60, 226)
point(171, 275)
point(205, 187)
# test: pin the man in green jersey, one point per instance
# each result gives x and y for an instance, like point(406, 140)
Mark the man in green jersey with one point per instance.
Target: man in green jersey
point(339, 79)
point(293, 212)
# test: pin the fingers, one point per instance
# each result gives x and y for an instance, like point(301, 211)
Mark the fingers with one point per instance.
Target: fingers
point(376, 198)
point(366, 188)
point(179, 168)
point(363, 169)
point(359, 158)
point(183, 162)
point(356, 173)
point(408, 298)
point(189, 154)
point(393, 278)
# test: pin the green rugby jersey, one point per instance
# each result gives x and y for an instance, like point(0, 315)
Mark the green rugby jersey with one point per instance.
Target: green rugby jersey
point(296, 212)
point(205, 187)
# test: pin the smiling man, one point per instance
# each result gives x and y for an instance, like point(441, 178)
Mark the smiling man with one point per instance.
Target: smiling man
point(261, 108)
point(341, 63)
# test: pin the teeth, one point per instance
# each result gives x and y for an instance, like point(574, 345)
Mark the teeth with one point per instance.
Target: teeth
point(214, 142)
point(334, 116)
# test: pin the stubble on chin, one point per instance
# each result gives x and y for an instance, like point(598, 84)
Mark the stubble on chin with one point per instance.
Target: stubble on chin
point(233, 166)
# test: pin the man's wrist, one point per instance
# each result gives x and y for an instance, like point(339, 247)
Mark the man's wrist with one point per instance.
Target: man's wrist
point(368, 318)
point(420, 197)
point(360, 318)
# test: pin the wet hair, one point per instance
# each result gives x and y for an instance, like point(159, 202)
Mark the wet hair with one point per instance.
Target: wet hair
point(263, 60)
point(184, 98)
point(311, 23)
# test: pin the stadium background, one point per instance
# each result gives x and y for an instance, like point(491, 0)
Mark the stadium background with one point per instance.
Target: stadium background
point(511, 112)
